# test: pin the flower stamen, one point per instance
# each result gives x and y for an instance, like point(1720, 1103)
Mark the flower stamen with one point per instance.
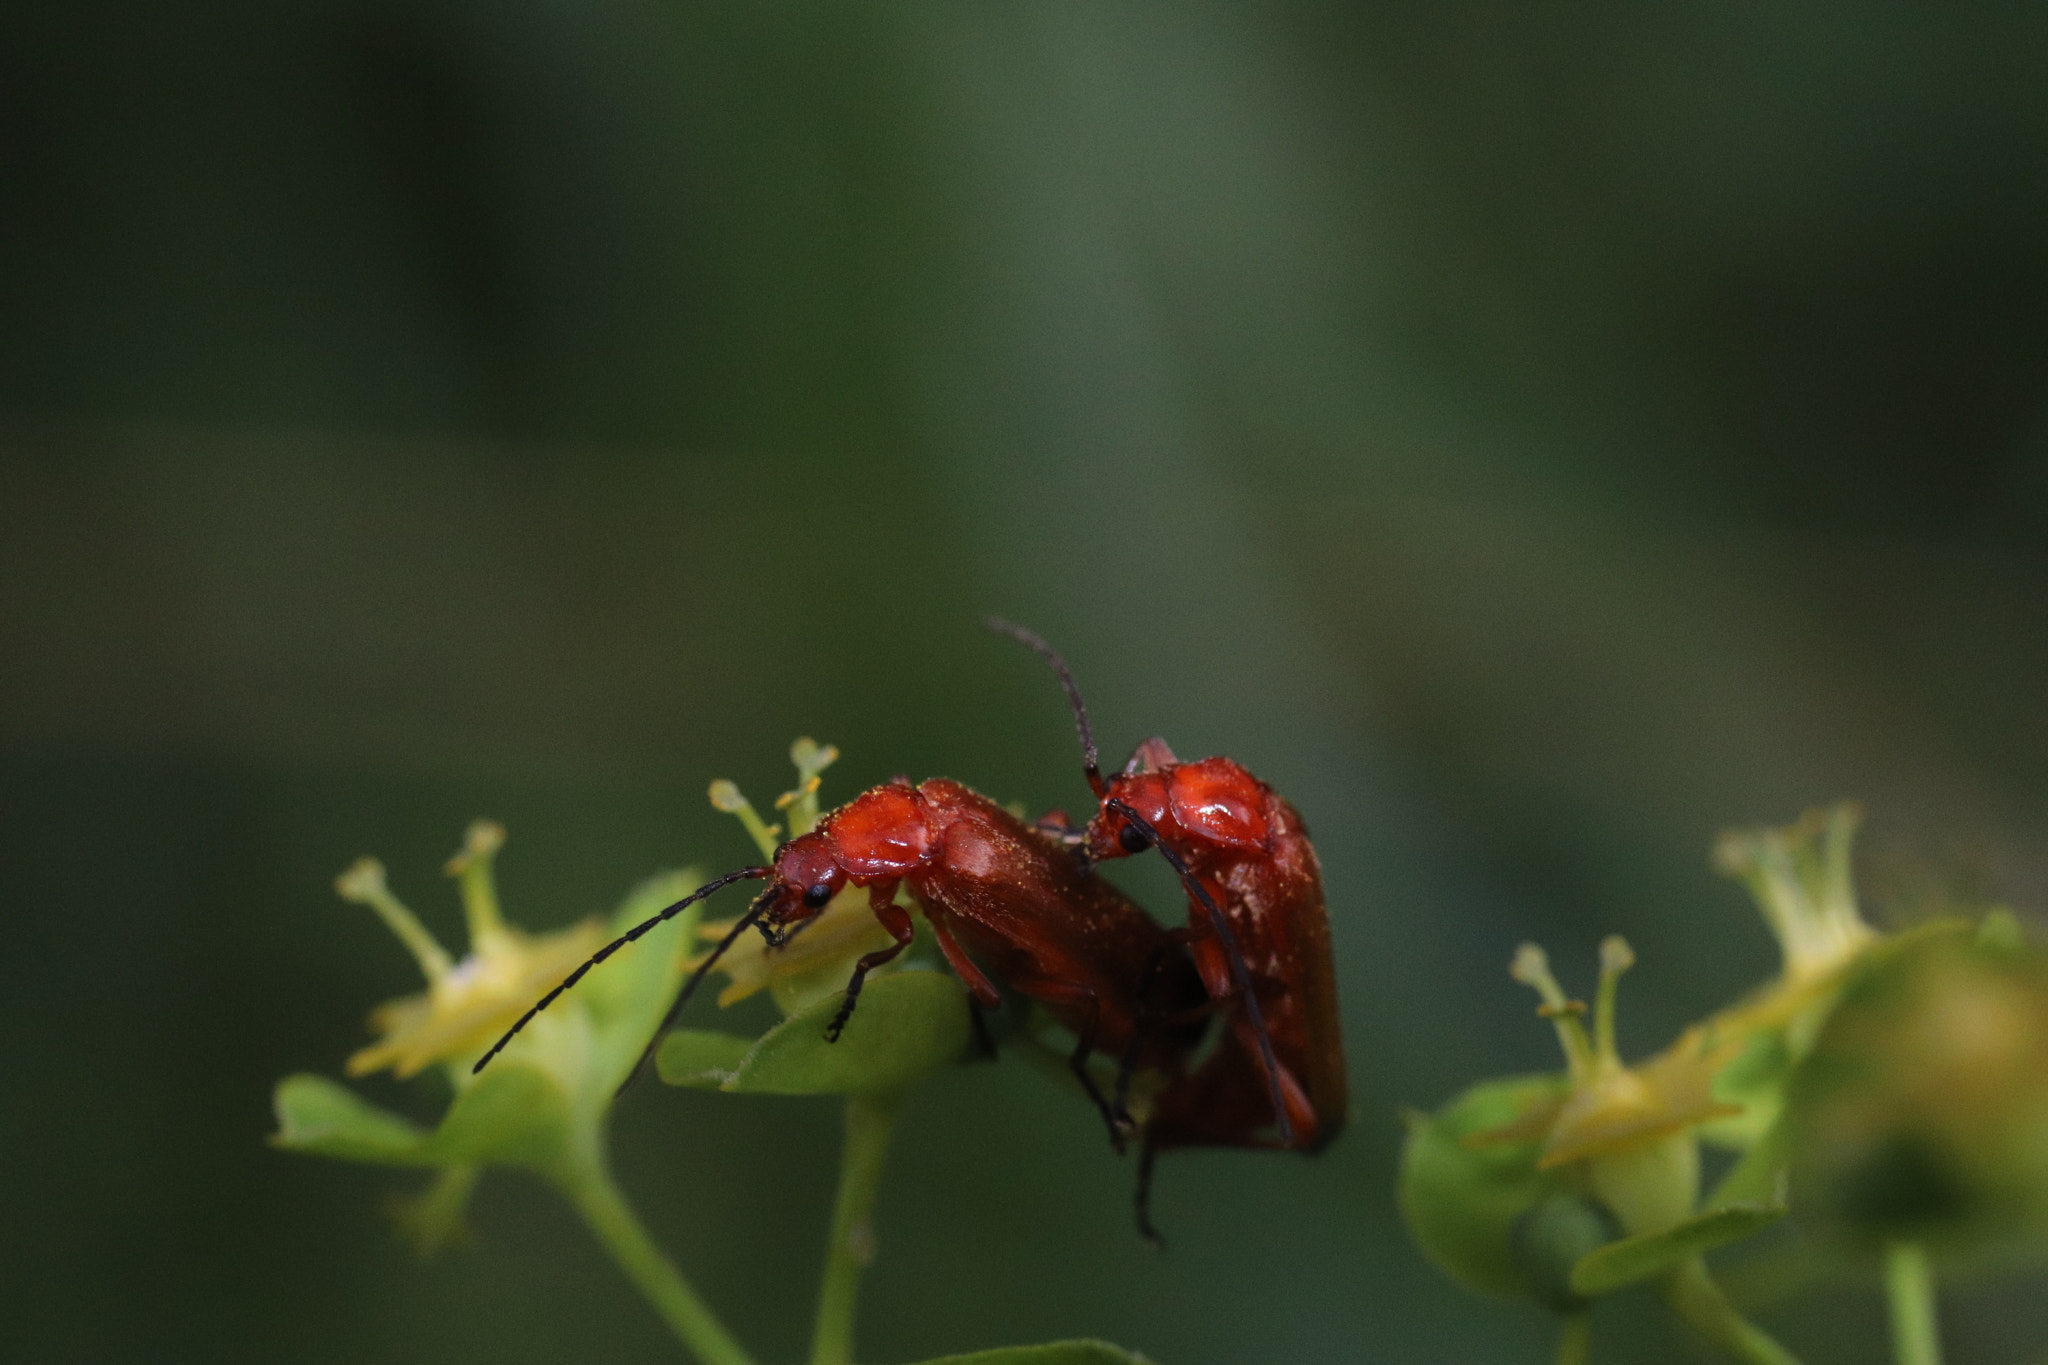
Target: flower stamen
point(480, 845)
point(1616, 957)
point(1531, 967)
point(811, 758)
point(364, 884)
point(726, 796)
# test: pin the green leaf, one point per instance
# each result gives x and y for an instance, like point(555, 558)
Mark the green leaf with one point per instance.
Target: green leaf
point(628, 996)
point(325, 1118)
point(701, 1059)
point(512, 1115)
point(1638, 1258)
point(1055, 1353)
point(907, 1026)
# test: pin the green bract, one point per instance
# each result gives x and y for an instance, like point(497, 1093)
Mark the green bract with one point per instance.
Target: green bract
point(1631, 1259)
point(1463, 1195)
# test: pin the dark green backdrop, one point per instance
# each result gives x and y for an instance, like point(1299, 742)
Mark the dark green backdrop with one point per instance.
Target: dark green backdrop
point(1531, 437)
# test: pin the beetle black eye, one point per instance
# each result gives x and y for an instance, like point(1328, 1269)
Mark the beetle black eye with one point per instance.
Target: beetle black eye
point(815, 898)
point(1133, 839)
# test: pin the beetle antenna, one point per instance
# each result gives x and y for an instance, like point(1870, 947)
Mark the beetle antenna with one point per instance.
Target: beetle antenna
point(1090, 760)
point(732, 936)
point(1238, 970)
point(744, 874)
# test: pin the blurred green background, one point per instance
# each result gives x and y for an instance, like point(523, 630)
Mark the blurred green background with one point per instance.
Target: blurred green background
point(1530, 437)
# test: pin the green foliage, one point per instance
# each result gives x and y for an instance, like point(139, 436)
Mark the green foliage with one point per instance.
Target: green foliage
point(1054, 1353)
point(631, 995)
point(701, 1059)
point(907, 1026)
point(324, 1118)
point(513, 1116)
point(1633, 1259)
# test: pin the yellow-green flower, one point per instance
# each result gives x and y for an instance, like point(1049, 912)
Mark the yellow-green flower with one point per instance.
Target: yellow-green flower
point(542, 1105)
point(467, 1004)
point(1799, 875)
point(1625, 1128)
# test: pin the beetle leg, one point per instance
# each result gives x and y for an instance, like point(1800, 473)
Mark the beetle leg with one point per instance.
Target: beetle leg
point(1077, 1062)
point(1141, 1198)
point(896, 920)
point(1057, 826)
point(984, 1040)
point(1149, 1023)
point(1089, 1007)
point(983, 990)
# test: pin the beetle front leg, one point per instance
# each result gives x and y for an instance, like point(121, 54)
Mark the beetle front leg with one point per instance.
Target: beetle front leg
point(894, 918)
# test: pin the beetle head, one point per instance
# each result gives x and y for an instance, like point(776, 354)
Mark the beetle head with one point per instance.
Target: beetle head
point(807, 876)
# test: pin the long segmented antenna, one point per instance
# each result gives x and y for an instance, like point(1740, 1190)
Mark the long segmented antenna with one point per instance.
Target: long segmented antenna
point(1089, 758)
point(1230, 950)
point(732, 936)
point(744, 874)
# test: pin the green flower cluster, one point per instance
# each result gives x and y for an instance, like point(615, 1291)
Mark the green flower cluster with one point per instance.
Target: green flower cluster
point(1889, 1092)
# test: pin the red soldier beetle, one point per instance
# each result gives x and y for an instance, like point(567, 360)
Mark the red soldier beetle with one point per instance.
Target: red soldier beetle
point(1258, 928)
point(995, 891)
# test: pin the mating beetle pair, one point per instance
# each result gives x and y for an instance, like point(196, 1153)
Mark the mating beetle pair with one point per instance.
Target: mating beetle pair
point(1019, 904)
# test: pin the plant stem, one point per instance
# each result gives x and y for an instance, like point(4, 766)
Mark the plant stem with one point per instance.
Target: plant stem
point(1909, 1286)
point(869, 1122)
point(1575, 1338)
point(597, 1198)
point(1692, 1293)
